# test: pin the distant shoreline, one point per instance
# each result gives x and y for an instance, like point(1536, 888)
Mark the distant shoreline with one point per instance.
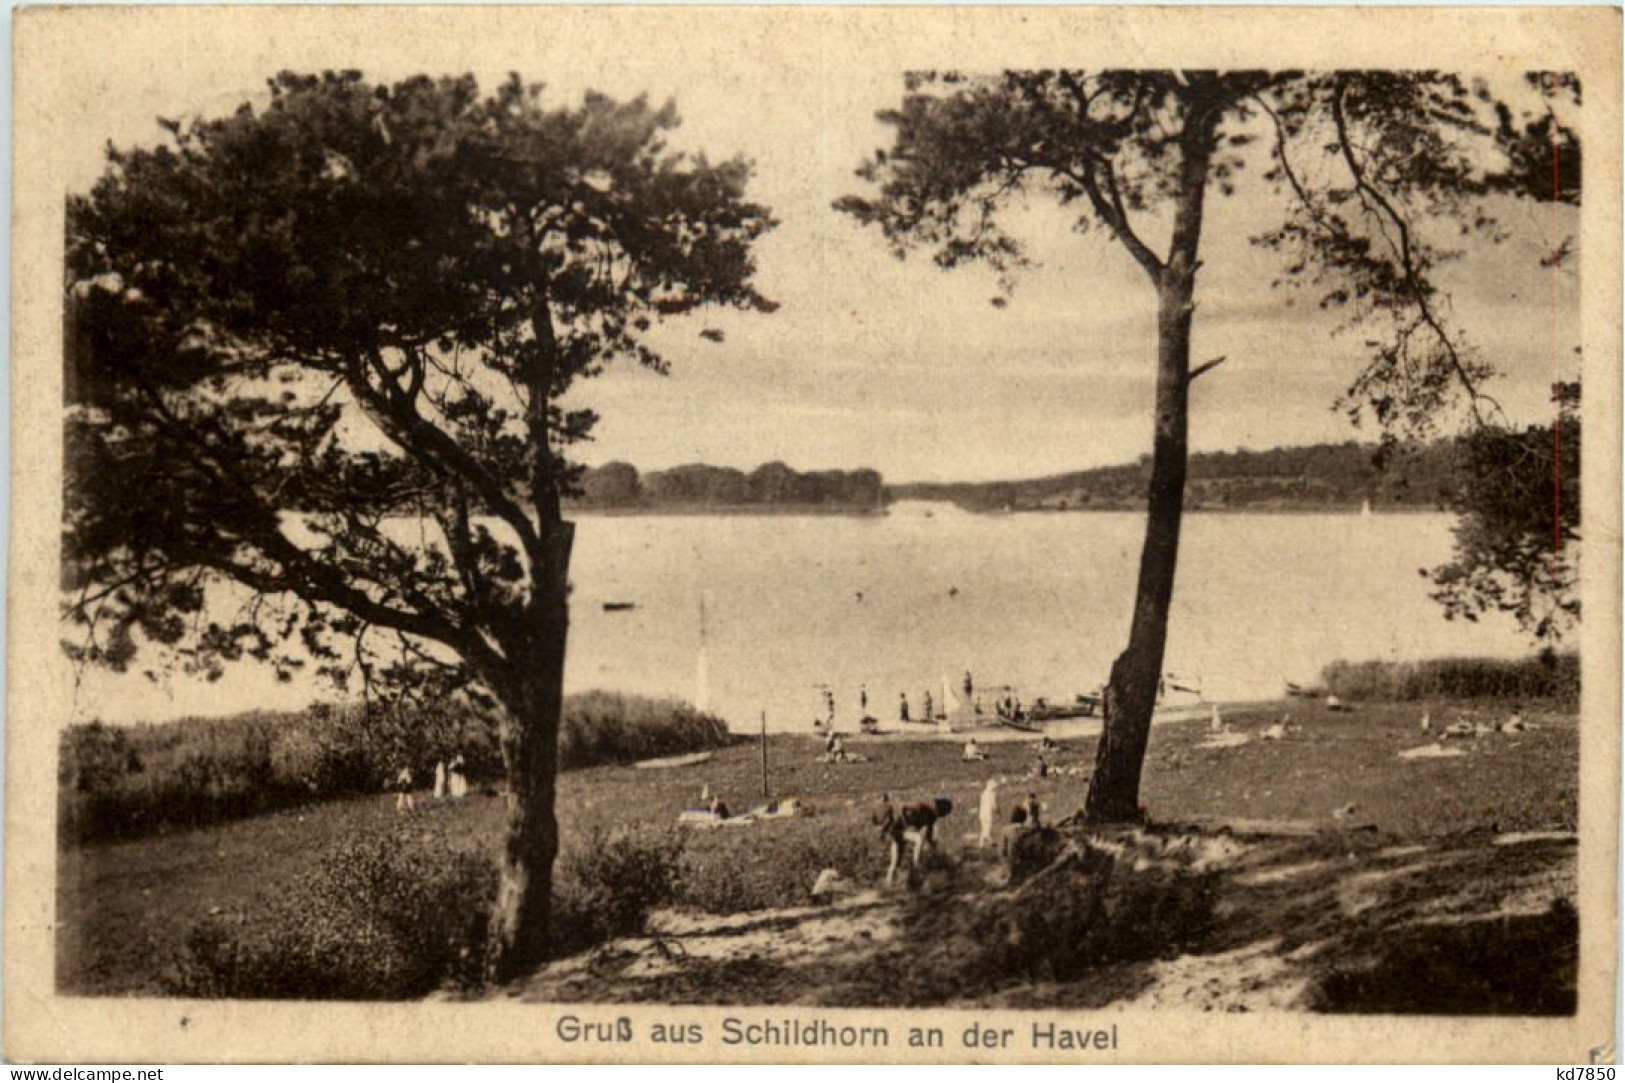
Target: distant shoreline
point(821, 510)
point(867, 512)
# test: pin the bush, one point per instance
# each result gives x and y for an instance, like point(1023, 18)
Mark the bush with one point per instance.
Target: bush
point(1094, 912)
point(1546, 676)
point(392, 916)
point(126, 782)
point(1100, 911)
point(605, 727)
point(95, 757)
point(609, 885)
point(730, 873)
point(1511, 964)
point(402, 913)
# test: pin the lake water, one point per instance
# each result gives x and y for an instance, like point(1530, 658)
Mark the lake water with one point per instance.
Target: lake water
point(1038, 601)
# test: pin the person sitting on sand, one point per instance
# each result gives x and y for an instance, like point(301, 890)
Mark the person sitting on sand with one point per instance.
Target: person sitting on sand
point(719, 807)
point(834, 750)
point(973, 752)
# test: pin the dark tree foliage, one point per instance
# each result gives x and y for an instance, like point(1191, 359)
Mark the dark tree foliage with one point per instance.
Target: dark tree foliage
point(318, 348)
point(1340, 475)
point(1385, 175)
point(696, 485)
point(1517, 533)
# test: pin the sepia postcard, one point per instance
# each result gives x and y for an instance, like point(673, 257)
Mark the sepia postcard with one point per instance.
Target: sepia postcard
point(814, 534)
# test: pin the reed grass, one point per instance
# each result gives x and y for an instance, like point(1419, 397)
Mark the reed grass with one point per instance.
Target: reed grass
point(1546, 676)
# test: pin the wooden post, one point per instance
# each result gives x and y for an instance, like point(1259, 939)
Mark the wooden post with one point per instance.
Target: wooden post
point(764, 755)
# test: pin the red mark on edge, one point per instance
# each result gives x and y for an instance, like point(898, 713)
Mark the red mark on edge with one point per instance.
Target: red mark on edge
point(1557, 422)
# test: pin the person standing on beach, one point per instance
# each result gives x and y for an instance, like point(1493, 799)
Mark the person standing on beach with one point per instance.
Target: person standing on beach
point(902, 706)
point(989, 813)
point(926, 711)
point(404, 801)
point(970, 687)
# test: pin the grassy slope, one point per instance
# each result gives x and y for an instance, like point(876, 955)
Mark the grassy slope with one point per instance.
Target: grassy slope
point(122, 907)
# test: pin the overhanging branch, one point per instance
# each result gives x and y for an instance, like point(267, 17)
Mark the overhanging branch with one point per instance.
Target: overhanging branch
point(1400, 242)
point(1206, 366)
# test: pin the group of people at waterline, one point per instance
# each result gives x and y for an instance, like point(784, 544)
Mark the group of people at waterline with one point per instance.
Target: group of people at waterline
point(1009, 705)
point(450, 783)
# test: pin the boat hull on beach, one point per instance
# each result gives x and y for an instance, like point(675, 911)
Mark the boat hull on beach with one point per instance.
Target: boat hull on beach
point(689, 760)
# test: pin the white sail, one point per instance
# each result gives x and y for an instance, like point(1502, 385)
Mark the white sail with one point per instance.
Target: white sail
point(702, 668)
point(702, 682)
point(950, 708)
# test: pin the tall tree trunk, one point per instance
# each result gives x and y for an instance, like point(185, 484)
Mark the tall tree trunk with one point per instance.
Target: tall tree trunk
point(521, 919)
point(1131, 691)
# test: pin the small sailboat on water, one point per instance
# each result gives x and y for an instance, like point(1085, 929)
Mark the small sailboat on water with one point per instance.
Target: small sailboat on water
point(952, 709)
point(702, 668)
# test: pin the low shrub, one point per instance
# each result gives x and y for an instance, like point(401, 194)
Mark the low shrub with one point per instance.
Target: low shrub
point(609, 884)
point(607, 727)
point(732, 872)
point(391, 916)
point(404, 912)
point(1101, 910)
point(1059, 926)
point(1513, 964)
point(1546, 676)
point(128, 782)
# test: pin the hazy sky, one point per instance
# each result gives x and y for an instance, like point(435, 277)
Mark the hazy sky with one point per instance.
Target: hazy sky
point(909, 369)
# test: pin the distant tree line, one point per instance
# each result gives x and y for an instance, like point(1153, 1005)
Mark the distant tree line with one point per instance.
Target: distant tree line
point(1319, 475)
point(620, 485)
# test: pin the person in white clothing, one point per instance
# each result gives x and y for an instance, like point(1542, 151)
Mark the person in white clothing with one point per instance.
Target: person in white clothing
point(989, 813)
point(404, 801)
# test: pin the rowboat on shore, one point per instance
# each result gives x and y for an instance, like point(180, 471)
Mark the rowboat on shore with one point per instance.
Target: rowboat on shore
point(688, 760)
point(1080, 707)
